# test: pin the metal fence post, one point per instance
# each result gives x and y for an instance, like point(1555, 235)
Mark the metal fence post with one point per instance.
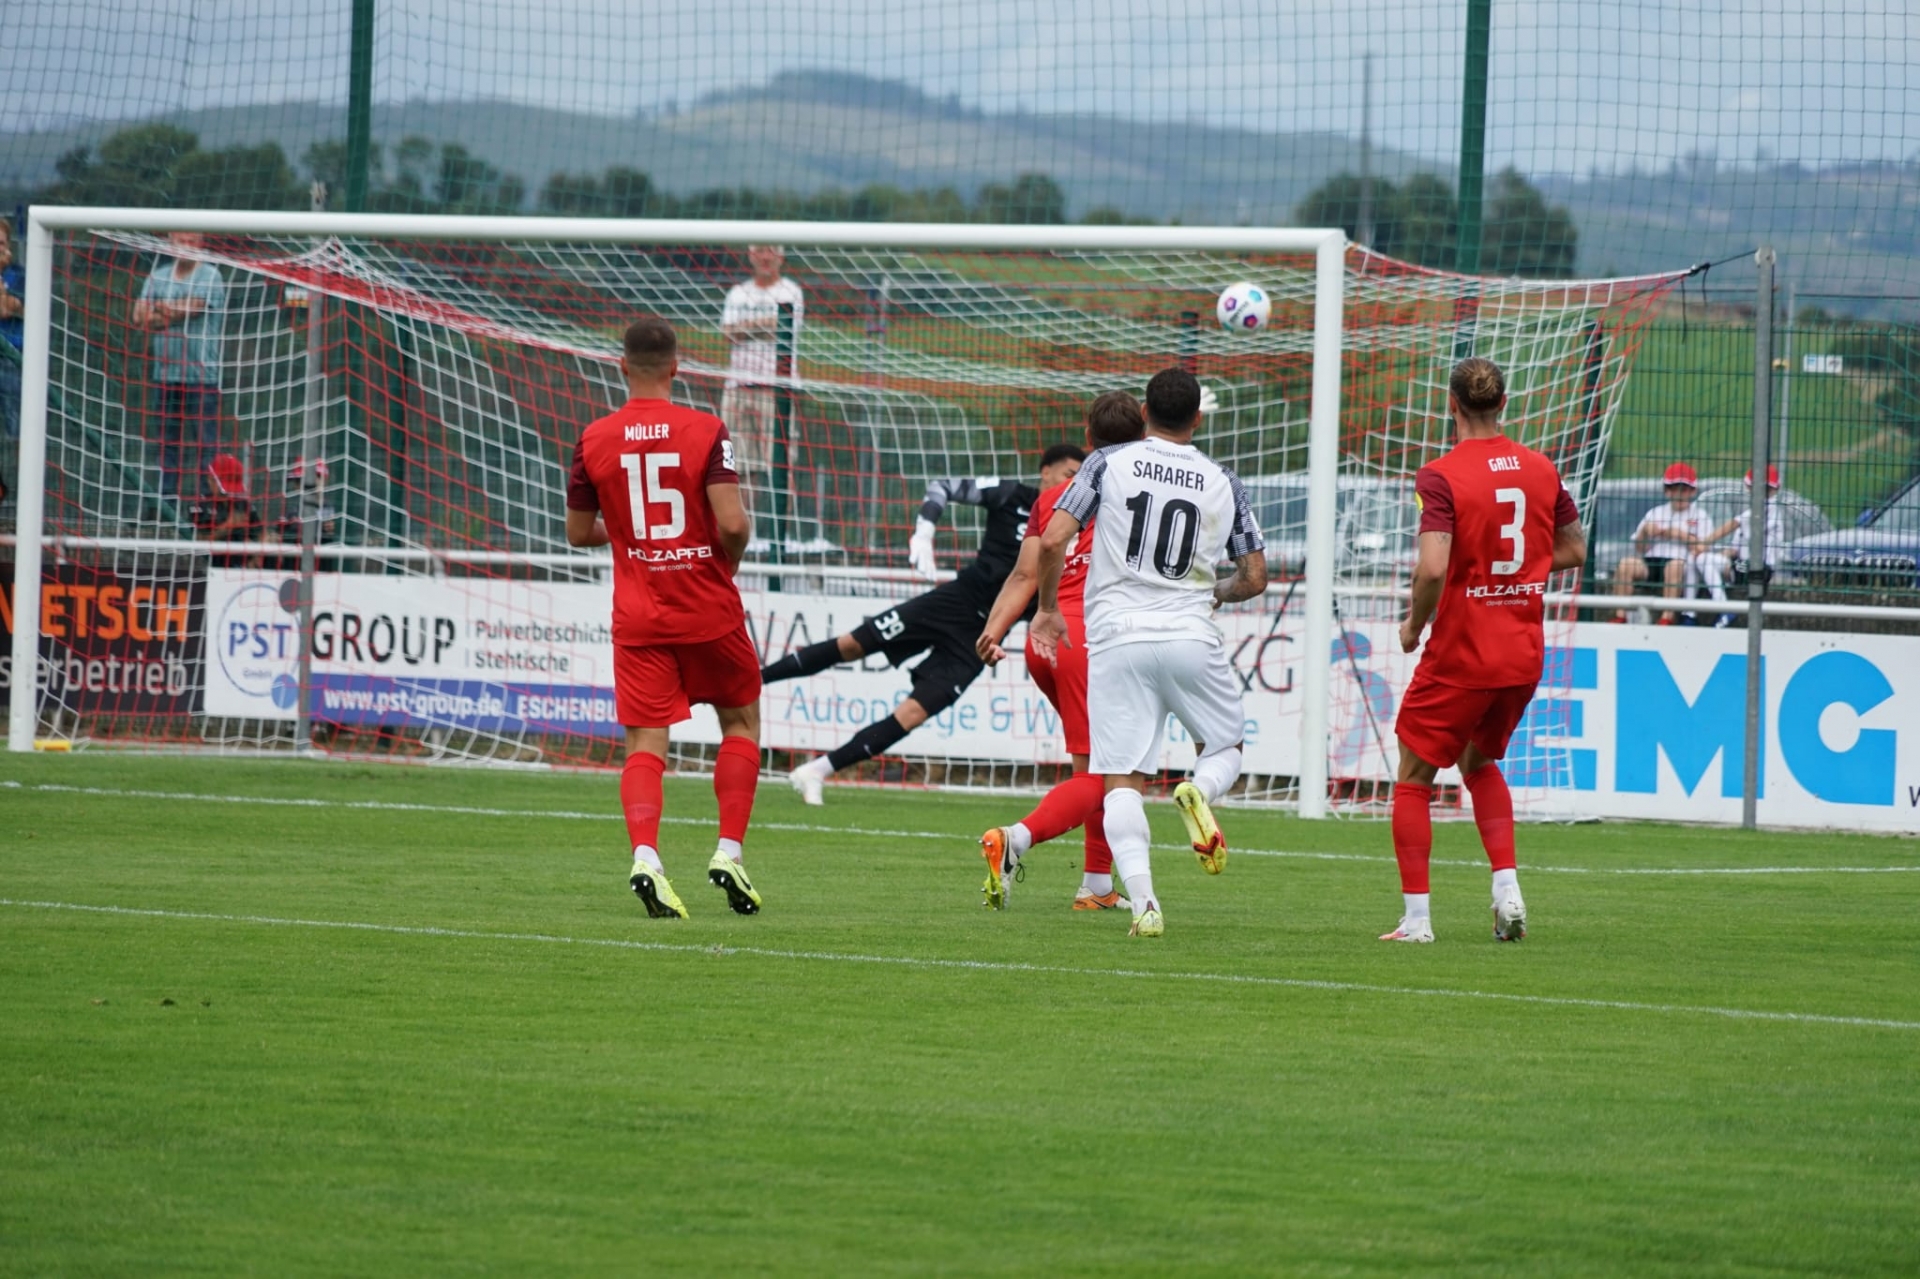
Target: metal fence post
point(1473, 135)
point(308, 508)
point(1757, 573)
point(783, 365)
point(359, 105)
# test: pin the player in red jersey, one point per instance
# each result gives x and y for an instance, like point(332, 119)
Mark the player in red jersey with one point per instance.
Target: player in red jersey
point(1495, 521)
point(1113, 418)
point(658, 481)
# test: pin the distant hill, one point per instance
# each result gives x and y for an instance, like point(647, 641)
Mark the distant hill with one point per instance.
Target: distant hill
point(1847, 230)
point(808, 130)
point(1852, 230)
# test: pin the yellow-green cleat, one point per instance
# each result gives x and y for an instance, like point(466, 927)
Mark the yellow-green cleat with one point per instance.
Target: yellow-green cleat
point(1209, 845)
point(655, 893)
point(730, 877)
point(1148, 923)
point(1002, 867)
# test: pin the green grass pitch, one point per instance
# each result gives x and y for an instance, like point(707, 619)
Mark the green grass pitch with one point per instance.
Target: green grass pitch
point(333, 1037)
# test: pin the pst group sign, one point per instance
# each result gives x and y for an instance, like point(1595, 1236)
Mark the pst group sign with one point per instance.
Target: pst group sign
point(399, 652)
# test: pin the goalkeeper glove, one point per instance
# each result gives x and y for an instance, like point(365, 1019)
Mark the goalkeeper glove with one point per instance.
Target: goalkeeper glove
point(920, 547)
point(1208, 400)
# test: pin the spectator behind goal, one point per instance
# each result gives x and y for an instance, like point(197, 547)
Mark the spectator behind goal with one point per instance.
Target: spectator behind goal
point(183, 305)
point(750, 320)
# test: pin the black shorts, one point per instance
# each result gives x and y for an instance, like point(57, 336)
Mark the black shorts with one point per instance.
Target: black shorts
point(943, 623)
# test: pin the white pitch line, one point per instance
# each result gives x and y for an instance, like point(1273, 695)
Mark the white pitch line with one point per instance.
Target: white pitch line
point(562, 814)
point(975, 965)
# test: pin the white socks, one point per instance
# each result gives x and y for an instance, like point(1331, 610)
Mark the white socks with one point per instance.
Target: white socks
point(1019, 839)
point(820, 766)
point(1417, 907)
point(1129, 837)
point(731, 847)
point(1098, 885)
point(1216, 772)
point(1505, 881)
point(1712, 568)
point(641, 853)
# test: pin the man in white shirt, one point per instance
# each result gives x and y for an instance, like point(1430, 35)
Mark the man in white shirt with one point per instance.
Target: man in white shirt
point(751, 321)
point(1668, 537)
point(1164, 515)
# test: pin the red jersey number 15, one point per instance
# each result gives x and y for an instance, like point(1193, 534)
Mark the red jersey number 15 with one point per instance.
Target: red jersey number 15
point(643, 473)
point(1514, 533)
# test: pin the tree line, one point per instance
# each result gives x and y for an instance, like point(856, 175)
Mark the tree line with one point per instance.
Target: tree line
point(1416, 219)
point(152, 165)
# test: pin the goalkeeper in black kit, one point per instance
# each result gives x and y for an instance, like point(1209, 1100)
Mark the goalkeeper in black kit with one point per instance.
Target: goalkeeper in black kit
point(943, 623)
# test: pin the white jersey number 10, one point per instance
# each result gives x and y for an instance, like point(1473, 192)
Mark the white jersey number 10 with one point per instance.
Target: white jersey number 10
point(1173, 544)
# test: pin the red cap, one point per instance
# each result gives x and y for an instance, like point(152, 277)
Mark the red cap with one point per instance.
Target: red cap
point(228, 476)
point(1773, 477)
point(1681, 473)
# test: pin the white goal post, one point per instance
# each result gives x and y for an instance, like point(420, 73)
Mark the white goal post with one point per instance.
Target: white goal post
point(1328, 250)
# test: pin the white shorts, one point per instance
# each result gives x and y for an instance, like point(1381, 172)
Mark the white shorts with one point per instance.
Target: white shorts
point(1132, 688)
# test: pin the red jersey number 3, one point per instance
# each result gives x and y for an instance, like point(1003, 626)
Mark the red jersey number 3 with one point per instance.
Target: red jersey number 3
point(1501, 502)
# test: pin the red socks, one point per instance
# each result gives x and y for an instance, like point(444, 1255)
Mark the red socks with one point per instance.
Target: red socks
point(736, 772)
point(640, 798)
point(1413, 833)
point(1492, 813)
point(1099, 856)
point(1065, 806)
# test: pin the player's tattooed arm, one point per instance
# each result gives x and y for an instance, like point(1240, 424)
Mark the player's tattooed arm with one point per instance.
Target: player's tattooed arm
point(1429, 575)
point(1570, 546)
point(1015, 592)
point(1249, 579)
point(1246, 547)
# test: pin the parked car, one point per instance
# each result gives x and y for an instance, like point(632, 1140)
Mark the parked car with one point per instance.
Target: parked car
point(1379, 536)
point(1882, 552)
point(1367, 518)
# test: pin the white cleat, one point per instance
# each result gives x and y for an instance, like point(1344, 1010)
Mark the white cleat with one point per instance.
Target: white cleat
point(807, 783)
point(1509, 918)
point(1411, 929)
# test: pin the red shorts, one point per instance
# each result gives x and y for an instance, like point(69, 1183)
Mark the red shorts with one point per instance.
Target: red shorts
point(654, 685)
point(1064, 683)
point(1438, 720)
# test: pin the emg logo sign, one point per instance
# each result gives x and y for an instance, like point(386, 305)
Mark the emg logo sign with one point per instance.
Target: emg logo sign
point(1653, 715)
point(1815, 725)
point(256, 641)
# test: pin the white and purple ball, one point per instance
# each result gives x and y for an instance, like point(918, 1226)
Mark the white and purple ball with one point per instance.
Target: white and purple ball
point(1244, 307)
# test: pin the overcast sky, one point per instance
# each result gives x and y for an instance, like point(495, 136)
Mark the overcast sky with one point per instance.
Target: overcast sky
point(1577, 84)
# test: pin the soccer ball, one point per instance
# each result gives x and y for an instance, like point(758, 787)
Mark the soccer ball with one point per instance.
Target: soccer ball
point(1243, 307)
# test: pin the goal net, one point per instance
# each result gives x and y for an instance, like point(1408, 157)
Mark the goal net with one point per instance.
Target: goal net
point(306, 490)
